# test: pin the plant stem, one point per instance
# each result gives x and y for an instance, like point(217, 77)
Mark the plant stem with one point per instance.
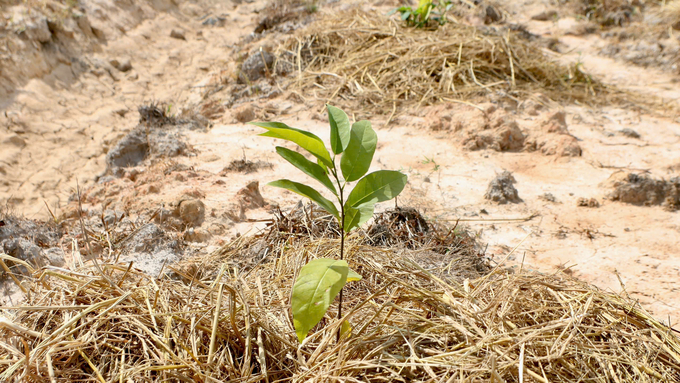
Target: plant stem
point(342, 240)
point(342, 244)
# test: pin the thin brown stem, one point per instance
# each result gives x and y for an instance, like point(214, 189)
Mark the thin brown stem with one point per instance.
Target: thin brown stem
point(342, 242)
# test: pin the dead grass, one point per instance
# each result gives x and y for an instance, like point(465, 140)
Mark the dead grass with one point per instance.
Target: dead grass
point(412, 321)
point(355, 58)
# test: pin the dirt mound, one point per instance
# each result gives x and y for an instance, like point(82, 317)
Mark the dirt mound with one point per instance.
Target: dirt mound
point(551, 136)
point(639, 189)
point(32, 243)
point(648, 49)
point(501, 189)
point(245, 166)
point(402, 303)
point(386, 67)
point(157, 136)
point(610, 13)
point(402, 229)
point(487, 126)
point(27, 239)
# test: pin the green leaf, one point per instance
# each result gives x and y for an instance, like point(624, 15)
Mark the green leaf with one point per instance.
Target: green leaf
point(345, 330)
point(357, 157)
point(339, 129)
point(377, 187)
point(308, 167)
point(353, 276)
point(309, 192)
point(315, 288)
point(405, 15)
point(355, 217)
point(308, 141)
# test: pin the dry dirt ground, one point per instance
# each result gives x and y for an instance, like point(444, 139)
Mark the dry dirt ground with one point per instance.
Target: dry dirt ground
point(70, 91)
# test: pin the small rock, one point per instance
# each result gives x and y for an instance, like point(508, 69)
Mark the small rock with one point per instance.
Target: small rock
point(587, 202)
point(250, 197)
point(121, 65)
point(178, 34)
point(628, 132)
point(16, 141)
point(245, 113)
point(196, 235)
point(54, 256)
point(130, 151)
point(215, 21)
point(112, 217)
point(167, 219)
point(545, 16)
point(38, 30)
point(501, 189)
point(25, 250)
point(492, 15)
point(121, 112)
point(548, 197)
point(256, 66)
point(167, 144)
point(191, 211)
point(98, 33)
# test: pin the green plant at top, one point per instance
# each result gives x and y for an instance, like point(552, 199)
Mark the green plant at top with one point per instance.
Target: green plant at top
point(427, 11)
point(321, 280)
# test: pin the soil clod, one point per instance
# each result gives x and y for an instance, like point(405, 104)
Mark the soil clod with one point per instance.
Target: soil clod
point(628, 132)
point(643, 190)
point(501, 189)
point(245, 166)
point(178, 34)
point(587, 202)
point(257, 65)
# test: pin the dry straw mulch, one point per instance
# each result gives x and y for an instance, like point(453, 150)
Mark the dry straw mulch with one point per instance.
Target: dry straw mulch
point(225, 317)
point(357, 58)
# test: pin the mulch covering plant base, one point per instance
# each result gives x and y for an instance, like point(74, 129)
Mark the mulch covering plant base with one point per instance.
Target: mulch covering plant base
point(378, 63)
point(430, 308)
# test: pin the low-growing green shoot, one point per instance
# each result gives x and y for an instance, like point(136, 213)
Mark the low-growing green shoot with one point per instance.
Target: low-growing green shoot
point(428, 13)
point(321, 280)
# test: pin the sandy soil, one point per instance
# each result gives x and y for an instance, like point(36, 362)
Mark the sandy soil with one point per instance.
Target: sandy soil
point(59, 122)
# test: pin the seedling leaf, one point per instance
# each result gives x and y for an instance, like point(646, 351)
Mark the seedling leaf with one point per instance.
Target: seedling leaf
point(355, 217)
point(357, 157)
point(345, 330)
point(339, 123)
point(377, 187)
point(315, 288)
point(308, 167)
point(308, 141)
point(309, 192)
point(353, 276)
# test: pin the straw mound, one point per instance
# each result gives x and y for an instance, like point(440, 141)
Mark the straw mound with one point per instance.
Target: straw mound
point(611, 12)
point(368, 59)
point(411, 322)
